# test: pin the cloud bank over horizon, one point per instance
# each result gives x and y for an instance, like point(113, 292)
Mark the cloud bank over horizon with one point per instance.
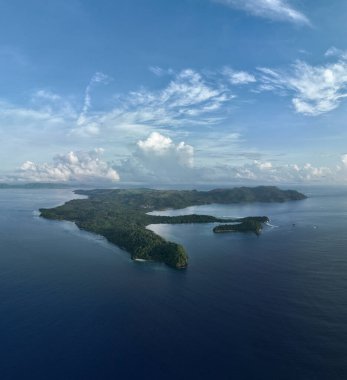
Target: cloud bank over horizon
point(159, 160)
point(80, 167)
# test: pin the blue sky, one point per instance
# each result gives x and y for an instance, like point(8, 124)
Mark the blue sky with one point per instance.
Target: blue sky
point(186, 91)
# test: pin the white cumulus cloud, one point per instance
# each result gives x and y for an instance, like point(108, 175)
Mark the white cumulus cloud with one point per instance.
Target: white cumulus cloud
point(157, 145)
point(159, 158)
point(72, 167)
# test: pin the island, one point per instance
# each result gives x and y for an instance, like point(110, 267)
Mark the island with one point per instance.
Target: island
point(122, 215)
point(35, 186)
point(248, 224)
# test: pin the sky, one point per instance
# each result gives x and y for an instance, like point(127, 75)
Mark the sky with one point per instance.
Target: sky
point(174, 92)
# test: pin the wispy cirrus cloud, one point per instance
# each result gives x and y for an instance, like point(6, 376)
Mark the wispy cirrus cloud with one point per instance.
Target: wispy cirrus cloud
point(314, 89)
point(188, 99)
point(49, 120)
point(155, 119)
point(82, 120)
point(14, 55)
point(34, 120)
point(277, 10)
point(159, 71)
point(33, 129)
point(238, 77)
point(335, 52)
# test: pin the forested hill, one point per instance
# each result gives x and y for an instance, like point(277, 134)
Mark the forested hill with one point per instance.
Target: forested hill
point(122, 215)
point(160, 199)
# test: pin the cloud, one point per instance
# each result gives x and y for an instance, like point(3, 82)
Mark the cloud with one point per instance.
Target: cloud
point(73, 167)
point(263, 165)
point(238, 77)
point(157, 145)
point(82, 120)
point(277, 10)
point(47, 113)
point(48, 95)
point(315, 89)
point(52, 103)
point(335, 52)
point(266, 172)
point(35, 129)
point(187, 94)
point(51, 121)
point(158, 158)
point(188, 99)
point(13, 56)
point(159, 71)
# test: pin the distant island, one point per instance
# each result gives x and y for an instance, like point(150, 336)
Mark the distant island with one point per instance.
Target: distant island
point(248, 224)
point(35, 185)
point(121, 216)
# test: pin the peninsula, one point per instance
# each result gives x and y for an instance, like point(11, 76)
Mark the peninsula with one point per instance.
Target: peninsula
point(121, 216)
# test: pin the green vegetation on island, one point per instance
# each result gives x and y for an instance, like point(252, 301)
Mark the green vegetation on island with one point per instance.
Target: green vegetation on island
point(121, 216)
point(249, 224)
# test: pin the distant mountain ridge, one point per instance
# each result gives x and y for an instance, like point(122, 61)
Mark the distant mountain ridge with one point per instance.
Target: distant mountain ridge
point(36, 185)
point(159, 199)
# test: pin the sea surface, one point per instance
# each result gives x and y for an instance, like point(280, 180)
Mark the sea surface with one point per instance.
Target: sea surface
point(73, 306)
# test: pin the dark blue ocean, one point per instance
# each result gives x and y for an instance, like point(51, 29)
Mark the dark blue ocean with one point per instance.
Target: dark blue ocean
point(72, 306)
